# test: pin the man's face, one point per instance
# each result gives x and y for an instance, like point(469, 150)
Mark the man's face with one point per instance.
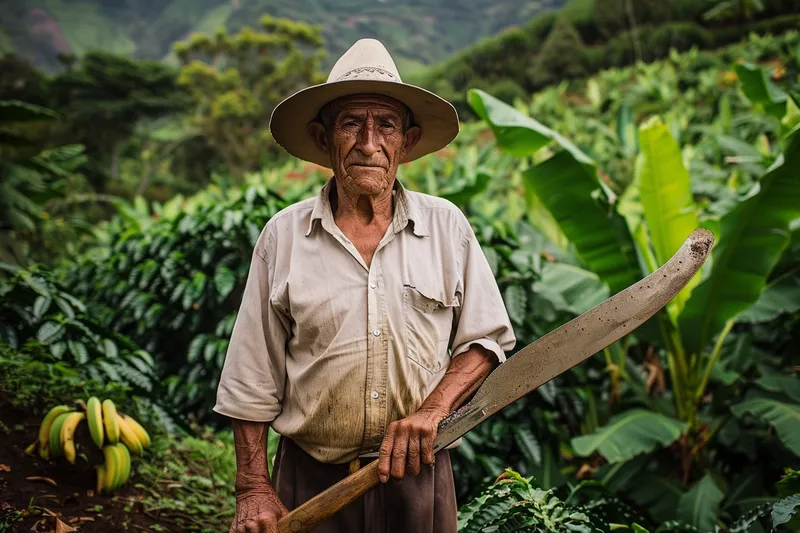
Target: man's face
point(365, 141)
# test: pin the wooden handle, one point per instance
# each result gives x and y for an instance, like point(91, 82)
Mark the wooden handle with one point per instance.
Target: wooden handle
point(328, 503)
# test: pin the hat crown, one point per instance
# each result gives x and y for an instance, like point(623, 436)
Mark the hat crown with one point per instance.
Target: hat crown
point(367, 59)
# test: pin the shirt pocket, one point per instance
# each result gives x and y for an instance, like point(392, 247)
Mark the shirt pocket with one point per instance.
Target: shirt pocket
point(428, 322)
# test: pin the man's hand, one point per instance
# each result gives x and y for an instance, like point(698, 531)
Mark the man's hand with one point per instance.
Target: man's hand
point(408, 441)
point(257, 511)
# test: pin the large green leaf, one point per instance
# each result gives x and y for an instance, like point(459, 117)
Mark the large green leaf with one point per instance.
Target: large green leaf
point(759, 89)
point(666, 195)
point(601, 239)
point(699, 506)
point(567, 186)
point(629, 434)
point(780, 297)
point(518, 134)
point(570, 288)
point(784, 417)
point(752, 238)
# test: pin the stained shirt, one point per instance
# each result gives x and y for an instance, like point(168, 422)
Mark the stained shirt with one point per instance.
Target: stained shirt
point(329, 350)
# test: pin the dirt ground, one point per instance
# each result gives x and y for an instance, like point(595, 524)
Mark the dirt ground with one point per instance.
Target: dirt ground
point(26, 485)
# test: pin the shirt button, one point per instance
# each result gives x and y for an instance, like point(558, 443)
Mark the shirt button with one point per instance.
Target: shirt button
point(374, 395)
point(376, 331)
point(373, 285)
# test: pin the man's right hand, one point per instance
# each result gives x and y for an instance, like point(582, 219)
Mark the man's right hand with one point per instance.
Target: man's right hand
point(257, 511)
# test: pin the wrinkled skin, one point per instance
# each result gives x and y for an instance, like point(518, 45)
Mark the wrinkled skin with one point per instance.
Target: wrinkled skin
point(258, 507)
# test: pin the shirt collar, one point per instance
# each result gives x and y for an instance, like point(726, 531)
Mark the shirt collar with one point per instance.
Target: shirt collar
point(406, 209)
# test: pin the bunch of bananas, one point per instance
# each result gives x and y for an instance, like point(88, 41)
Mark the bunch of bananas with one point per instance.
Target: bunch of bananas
point(116, 434)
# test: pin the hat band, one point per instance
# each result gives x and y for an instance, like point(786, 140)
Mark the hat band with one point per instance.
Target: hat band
point(368, 73)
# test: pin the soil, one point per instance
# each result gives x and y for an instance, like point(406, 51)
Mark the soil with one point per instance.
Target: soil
point(72, 501)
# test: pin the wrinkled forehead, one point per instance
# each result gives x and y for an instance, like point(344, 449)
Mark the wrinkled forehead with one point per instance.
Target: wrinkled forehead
point(366, 102)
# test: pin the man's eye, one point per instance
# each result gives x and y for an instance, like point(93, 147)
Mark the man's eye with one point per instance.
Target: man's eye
point(387, 125)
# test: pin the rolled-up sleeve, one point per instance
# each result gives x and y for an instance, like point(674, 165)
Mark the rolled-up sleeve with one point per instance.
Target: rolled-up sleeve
point(253, 377)
point(481, 317)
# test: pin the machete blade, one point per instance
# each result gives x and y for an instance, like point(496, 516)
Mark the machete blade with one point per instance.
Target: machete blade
point(578, 339)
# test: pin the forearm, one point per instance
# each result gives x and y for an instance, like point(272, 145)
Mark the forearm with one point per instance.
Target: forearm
point(250, 440)
point(465, 374)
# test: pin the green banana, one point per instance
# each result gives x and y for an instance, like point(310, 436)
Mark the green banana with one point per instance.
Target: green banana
point(111, 421)
point(94, 417)
point(67, 434)
point(55, 435)
point(44, 429)
point(125, 460)
point(137, 428)
point(111, 470)
point(129, 438)
point(101, 479)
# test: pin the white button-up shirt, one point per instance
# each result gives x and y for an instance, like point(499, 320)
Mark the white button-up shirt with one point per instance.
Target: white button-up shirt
point(329, 350)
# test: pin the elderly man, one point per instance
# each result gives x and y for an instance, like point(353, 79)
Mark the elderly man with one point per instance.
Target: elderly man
point(369, 314)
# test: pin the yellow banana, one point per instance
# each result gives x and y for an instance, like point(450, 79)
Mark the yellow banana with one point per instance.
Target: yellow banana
point(101, 479)
point(125, 463)
point(111, 469)
point(55, 435)
point(31, 449)
point(44, 429)
point(111, 421)
point(138, 430)
point(94, 417)
point(128, 437)
point(67, 436)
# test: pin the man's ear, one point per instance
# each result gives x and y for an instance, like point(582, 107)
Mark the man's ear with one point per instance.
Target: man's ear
point(317, 132)
point(413, 135)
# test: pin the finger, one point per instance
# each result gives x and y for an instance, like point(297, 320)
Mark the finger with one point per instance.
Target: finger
point(270, 524)
point(399, 453)
point(426, 448)
point(385, 459)
point(413, 455)
point(251, 526)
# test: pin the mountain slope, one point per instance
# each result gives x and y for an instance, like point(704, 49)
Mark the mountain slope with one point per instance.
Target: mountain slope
point(417, 32)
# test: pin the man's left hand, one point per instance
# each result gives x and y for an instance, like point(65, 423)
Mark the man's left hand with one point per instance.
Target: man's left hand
point(409, 442)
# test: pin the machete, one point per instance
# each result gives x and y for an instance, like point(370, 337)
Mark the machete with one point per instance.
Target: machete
point(532, 367)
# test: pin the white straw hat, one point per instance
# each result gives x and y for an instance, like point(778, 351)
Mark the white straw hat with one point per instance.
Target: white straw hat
point(366, 68)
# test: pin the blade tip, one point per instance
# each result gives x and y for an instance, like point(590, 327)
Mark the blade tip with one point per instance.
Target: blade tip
point(701, 241)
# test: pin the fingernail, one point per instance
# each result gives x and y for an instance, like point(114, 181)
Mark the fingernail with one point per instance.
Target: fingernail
point(383, 478)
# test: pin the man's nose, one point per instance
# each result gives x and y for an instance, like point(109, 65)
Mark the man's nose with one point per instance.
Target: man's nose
point(368, 139)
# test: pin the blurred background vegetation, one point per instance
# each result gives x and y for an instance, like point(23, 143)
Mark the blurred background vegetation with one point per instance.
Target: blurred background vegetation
point(137, 170)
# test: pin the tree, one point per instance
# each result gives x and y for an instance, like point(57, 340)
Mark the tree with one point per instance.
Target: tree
point(238, 80)
point(561, 55)
point(106, 95)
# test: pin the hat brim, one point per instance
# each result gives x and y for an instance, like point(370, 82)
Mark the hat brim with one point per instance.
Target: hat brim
point(288, 124)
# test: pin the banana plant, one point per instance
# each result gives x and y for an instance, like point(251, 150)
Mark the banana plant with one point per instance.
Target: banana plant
point(624, 239)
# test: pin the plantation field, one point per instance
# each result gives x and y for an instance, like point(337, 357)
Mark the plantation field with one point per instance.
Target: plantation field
point(128, 288)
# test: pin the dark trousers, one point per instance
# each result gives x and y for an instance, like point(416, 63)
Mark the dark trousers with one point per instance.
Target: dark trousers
point(425, 503)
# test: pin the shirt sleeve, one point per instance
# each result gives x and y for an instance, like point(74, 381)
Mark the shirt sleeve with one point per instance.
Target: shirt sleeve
point(482, 317)
point(253, 377)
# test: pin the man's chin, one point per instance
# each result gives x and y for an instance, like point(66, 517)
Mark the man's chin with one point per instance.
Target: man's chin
point(368, 179)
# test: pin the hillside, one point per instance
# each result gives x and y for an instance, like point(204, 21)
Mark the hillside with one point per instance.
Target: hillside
point(417, 32)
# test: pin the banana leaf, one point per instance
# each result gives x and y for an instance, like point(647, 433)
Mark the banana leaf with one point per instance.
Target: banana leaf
point(784, 417)
point(699, 506)
point(666, 195)
point(752, 238)
point(567, 186)
point(759, 89)
point(629, 434)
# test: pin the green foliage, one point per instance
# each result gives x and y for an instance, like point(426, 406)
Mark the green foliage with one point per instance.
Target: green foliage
point(561, 55)
point(37, 310)
point(514, 502)
point(629, 434)
point(237, 80)
point(689, 423)
point(106, 95)
point(175, 286)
